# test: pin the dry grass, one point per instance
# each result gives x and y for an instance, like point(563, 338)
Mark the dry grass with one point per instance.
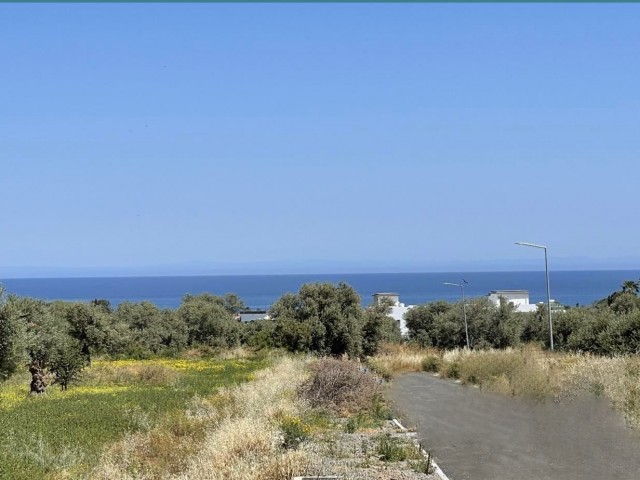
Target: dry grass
point(528, 371)
point(514, 372)
point(393, 359)
point(616, 378)
point(233, 435)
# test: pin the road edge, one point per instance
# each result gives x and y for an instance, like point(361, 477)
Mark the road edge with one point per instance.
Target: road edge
point(436, 469)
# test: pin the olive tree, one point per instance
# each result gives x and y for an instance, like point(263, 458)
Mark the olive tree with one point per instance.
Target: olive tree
point(11, 338)
point(322, 318)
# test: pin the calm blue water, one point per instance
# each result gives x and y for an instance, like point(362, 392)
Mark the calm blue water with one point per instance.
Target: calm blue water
point(260, 291)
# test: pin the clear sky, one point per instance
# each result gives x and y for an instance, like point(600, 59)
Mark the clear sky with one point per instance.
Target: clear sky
point(258, 138)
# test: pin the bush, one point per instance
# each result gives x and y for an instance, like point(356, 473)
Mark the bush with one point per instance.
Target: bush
point(294, 432)
point(431, 363)
point(340, 385)
point(450, 370)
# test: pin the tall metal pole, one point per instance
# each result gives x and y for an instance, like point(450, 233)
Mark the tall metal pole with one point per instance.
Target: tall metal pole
point(464, 310)
point(546, 269)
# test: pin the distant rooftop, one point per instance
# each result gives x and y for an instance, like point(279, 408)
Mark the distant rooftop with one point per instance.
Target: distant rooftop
point(386, 293)
point(509, 291)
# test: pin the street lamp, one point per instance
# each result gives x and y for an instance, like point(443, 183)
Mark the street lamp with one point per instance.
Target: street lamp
point(546, 268)
point(464, 309)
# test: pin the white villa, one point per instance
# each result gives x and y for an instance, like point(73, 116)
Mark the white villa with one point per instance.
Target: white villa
point(397, 309)
point(519, 298)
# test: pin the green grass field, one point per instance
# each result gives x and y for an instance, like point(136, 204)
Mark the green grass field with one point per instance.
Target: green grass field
point(62, 434)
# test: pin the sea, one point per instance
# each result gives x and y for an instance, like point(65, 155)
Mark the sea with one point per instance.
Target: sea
point(261, 291)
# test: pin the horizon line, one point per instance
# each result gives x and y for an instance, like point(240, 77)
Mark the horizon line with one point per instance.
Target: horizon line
point(637, 270)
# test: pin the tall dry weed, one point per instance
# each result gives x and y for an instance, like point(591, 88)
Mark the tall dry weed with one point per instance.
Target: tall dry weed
point(393, 359)
point(517, 372)
point(616, 378)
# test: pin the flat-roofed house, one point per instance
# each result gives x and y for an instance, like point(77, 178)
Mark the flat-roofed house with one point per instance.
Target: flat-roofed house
point(396, 310)
point(519, 298)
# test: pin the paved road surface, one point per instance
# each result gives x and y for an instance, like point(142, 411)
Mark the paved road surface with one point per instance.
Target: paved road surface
point(484, 436)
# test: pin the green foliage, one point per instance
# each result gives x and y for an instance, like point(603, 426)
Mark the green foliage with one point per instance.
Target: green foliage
point(67, 362)
point(86, 324)
point(259, 334)
point(625, 302)
point(432, 325)
point(294, 432)
point(208, 321)
point(353, 423)
point(631, 286)
point(610, 327)
point(377, 328)
point(44, 330)
point(12, 337)
point(450, 369)
point(152, 331)
point(393, 449)
point(233, 303)
point(321, 318)
point(431, 363)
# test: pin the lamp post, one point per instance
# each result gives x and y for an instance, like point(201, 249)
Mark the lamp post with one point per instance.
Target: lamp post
point(464, 309)
point(546, 268)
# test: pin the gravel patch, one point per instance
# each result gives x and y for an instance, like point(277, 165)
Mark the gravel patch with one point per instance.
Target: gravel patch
point(356, 456)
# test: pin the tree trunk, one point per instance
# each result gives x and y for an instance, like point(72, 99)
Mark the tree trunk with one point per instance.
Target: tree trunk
point(38, 384)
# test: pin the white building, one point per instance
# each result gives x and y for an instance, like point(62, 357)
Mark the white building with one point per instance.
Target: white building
point(251, 315)
point(519, 298)
point(397, 309)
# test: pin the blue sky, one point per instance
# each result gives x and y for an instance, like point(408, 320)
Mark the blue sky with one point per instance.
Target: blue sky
point(253, 138)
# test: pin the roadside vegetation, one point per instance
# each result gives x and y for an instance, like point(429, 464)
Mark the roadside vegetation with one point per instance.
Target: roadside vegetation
point(526, 371)
point(207, 418)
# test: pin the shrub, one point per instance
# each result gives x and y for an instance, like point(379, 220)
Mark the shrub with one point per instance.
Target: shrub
point(450, 370)
point(390, 449)
point(393, 449)
point(431, 363)
point(294, 432)
point(340, 385)
point(353, 424)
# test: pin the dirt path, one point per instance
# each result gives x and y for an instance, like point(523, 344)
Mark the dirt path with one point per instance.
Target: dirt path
point(484, 436)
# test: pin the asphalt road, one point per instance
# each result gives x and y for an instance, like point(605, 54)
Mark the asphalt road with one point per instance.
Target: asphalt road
point(485, 436)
